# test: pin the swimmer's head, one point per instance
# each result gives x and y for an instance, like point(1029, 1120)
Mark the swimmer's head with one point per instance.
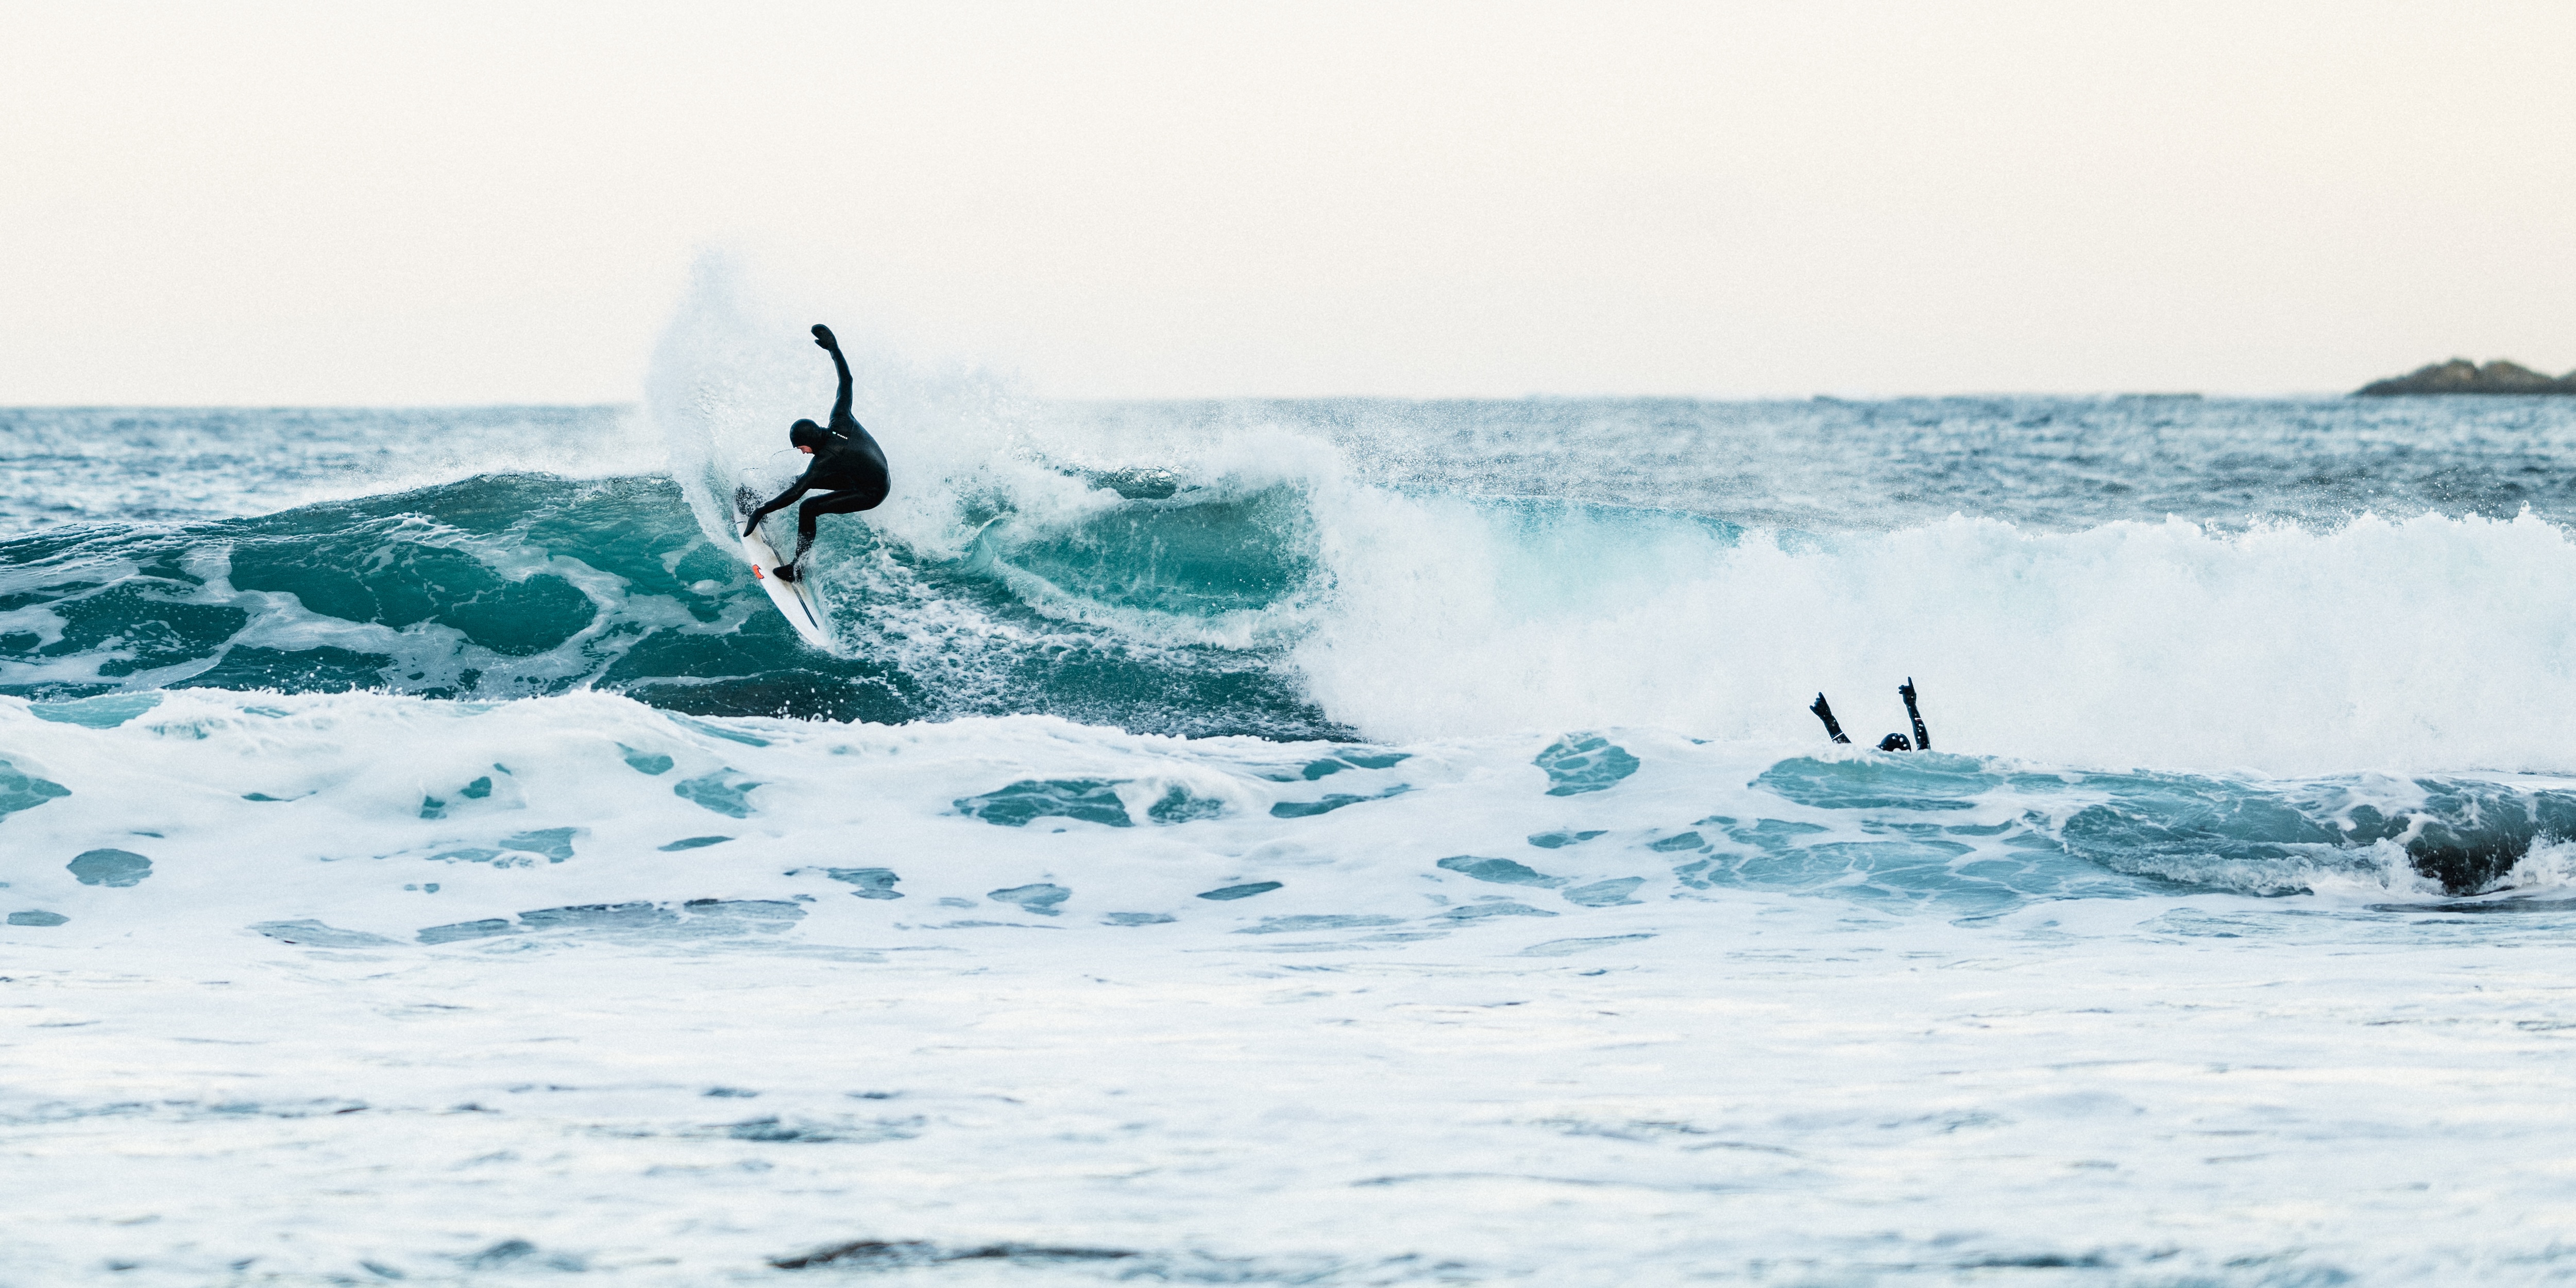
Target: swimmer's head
point(806, 436)
point(1895, 742)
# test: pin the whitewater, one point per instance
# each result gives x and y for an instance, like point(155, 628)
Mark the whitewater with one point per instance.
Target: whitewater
point(1318, 842)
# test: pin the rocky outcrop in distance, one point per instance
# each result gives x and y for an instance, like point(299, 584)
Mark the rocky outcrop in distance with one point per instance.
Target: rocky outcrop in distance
point(2461, 376)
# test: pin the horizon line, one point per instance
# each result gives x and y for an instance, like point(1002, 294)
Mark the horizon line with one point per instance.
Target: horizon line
point(1826, 396)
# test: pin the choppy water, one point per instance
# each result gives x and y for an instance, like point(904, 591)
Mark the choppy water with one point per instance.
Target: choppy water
point(1290, 748)
point(2099, 583)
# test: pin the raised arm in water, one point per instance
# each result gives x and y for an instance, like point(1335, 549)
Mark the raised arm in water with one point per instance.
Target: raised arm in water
point(1826, 714)
point(1922, 736)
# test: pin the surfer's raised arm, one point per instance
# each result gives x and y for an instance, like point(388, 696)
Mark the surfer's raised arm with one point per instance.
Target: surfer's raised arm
point(1922, 736)
point(1825, 712)
point(840, 405)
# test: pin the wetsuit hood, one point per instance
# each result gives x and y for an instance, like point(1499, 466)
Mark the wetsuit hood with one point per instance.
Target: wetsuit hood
point(806, 433)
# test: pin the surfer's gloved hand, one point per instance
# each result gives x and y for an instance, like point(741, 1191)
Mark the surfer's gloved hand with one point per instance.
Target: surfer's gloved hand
point(823, 337)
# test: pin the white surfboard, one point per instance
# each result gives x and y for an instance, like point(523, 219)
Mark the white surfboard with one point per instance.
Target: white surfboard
point(796, 600)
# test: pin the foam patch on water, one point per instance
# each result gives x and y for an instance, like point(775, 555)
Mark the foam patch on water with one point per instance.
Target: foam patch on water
point(386, 821)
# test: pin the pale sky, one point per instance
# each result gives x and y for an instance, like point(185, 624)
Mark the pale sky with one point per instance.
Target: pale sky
point(363, 203)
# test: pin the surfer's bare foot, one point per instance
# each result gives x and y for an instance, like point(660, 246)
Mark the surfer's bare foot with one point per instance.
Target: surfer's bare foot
point(785, 572)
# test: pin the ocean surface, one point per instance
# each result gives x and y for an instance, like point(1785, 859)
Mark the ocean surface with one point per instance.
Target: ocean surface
point(1325, 842)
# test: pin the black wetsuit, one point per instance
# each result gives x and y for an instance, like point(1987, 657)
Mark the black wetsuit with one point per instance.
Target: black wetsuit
point(849, 468)
point(1893, 742)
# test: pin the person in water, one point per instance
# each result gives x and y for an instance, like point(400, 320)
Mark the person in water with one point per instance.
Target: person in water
point(849, 470)
point(1892, 742)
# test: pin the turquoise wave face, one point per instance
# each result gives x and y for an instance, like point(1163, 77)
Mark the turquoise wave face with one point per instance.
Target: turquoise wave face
point(525, 585)
point(1183, 555)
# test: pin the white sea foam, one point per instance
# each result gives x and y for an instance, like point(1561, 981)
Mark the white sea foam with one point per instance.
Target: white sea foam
point(264, 807)
point(451, 995)
point(2417, 644)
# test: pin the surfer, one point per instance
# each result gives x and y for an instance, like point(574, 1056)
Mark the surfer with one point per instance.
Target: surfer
point(849, 470)
point(1892, 742)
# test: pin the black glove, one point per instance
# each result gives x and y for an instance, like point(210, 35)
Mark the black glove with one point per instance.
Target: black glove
point(823, 337)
